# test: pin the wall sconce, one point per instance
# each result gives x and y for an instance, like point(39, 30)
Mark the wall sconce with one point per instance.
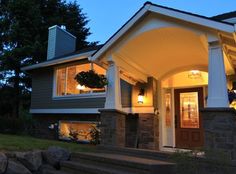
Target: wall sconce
point(141, 96)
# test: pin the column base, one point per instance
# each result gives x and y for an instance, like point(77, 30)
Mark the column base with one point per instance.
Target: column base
point(112, 127)
point(220, 130)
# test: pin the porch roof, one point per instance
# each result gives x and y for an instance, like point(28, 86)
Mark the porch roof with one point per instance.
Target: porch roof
point(149, 7)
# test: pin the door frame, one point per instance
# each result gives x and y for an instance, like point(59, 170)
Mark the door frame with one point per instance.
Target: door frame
point(190, 131)
point(162, 128)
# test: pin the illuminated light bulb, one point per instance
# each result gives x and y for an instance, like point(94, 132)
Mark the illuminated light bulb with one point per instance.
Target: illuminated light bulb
point(79, 87)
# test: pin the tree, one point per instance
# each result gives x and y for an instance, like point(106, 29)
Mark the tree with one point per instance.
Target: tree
point(23, 37)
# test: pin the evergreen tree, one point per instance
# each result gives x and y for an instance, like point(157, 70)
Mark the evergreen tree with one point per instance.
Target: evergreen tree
point(23, 38)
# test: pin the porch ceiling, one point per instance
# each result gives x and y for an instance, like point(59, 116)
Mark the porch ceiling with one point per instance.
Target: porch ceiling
point(166, 50)
point(229, 46)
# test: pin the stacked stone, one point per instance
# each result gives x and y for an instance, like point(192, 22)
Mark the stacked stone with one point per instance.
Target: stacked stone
point(33, 162)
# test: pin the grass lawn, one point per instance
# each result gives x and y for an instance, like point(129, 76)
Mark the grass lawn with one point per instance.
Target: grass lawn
point(24, 143)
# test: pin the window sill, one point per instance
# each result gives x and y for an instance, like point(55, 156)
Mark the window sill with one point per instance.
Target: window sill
point(80, 96)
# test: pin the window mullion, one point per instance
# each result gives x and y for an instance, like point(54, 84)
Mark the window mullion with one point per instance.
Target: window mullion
point(66, 81)
point(91, 68)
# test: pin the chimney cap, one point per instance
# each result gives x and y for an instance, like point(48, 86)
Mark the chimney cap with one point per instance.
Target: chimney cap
point(56, 26)
point(63, 27)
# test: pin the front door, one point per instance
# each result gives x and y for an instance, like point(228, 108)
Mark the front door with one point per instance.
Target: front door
point(188, 121)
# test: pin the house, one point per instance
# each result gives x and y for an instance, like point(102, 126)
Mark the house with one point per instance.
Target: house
point(163, 66)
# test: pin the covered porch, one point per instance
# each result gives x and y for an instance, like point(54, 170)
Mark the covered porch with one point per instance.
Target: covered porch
point(176, 68)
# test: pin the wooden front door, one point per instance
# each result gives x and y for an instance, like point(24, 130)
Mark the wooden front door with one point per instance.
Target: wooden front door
point(188, 120)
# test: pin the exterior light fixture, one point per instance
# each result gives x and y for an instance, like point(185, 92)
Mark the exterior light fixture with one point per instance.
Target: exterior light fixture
point(141, 96)
point(194, 74)
point(79, 87)
point(234, 87)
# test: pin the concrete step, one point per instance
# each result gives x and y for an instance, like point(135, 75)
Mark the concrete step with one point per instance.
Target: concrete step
point(122, 163)
point(141, 153)
point(79, 168)
point(48, 171)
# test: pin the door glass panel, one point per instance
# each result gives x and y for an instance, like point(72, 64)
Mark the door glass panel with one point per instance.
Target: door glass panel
point(189, 110)
point(168, 109)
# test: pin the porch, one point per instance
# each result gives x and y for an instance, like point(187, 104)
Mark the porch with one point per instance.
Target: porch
point(176, 68)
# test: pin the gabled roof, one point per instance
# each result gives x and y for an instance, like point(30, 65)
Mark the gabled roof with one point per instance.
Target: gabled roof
point(166, 11)
point(224, 16)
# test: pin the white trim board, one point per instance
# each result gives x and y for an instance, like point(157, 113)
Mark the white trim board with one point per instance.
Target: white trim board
point(66, 59)
point(90, 110)
point(139, 110)
point(66, 111)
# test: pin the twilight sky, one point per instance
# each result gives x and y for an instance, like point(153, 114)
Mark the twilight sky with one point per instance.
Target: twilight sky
point(107, 16)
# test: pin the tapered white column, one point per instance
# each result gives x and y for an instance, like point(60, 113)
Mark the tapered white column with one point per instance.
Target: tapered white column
point(113, 93)
point(217, 86)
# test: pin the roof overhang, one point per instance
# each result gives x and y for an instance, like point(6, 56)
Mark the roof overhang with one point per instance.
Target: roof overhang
point(52, 62)
point(173, 13)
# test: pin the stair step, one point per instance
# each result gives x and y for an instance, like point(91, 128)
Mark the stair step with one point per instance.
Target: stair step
point(78, 168)
point(141, 153)
point(124, 162)
point(54, 172)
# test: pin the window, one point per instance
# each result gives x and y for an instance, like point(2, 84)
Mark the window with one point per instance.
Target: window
point(189, 110)
point(76, 130)
point(67, 85)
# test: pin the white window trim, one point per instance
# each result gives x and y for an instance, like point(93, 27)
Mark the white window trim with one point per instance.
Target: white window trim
point(66, 111)
point(80, 96)
point(73, 96)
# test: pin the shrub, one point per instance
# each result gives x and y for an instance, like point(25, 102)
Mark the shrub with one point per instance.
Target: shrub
point(17, 125)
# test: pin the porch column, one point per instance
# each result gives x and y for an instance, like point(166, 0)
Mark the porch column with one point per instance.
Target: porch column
point(112, 118)
point(217, 86)
point(113, 93)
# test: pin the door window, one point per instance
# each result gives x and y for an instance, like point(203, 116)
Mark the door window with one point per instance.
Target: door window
point(189, 110)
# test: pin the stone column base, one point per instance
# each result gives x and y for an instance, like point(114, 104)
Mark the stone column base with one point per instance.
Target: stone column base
point(112, 127)
point(220, 130)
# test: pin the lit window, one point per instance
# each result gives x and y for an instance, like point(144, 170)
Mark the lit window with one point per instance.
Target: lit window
point(189, 110)
point(77, 131)
point(66, 83)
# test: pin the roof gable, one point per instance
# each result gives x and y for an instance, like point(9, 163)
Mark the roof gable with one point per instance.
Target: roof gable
point(148, 7)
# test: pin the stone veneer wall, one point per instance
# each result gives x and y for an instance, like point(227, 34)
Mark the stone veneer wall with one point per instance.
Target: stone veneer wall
point(148, 132)
point(220, 130)
point(131, 130)
point(112, 127)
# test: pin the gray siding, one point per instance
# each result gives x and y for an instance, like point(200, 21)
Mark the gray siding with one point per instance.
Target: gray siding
point(126, 94)
point(42, 89)
point(60, 42)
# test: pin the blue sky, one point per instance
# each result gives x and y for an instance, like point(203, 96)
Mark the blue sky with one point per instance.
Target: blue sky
point(107, 16)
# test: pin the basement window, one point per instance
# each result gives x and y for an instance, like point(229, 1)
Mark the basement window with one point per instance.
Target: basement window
point(79, 131)
point(66, 85)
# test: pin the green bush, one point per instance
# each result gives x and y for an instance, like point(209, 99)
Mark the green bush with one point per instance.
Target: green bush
point(17, 125)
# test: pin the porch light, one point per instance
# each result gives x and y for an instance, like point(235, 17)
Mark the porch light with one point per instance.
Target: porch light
point(194, 74)
point(79, 87)
point(234, 87)
point(141, 96)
